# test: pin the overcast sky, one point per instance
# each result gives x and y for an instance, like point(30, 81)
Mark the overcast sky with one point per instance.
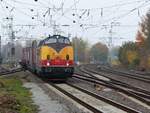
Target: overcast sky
point(89, 19)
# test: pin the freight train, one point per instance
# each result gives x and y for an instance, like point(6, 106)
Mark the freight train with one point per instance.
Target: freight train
point(52, 57)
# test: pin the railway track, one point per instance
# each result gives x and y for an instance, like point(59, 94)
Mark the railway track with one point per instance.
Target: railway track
point(141, 73)
point(111, 86)
point(92, 101)
point(89, 99)
point(113, 81)
point(133, 75)
point(68, 88)
point(2, 69)
point(7, 72)
point(139, 95)
point(116, 104)
point(72, 91)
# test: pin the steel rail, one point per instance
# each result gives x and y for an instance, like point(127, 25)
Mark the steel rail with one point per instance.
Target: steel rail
point(126, 74)
point(11, 72)
point(113, 81)
point(112, 86)
point(86, 105)
point(111, 102)
point(128, 89)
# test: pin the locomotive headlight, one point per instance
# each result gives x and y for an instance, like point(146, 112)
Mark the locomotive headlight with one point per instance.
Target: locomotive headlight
point(48, 64)
point(67, 64)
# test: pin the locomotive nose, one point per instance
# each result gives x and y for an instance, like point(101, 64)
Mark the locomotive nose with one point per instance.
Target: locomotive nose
point(58, 57)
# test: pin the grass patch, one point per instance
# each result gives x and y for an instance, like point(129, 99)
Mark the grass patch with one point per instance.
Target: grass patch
point(15, 97)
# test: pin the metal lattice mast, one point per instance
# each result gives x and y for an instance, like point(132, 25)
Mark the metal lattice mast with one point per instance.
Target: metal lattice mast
point(8, 26)
point(110, 42)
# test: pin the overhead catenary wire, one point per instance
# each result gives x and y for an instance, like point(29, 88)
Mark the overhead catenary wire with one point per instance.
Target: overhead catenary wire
point(121, 15)
point(124, 15)
point(132, 10)
point(5, 12)
point(108, 6)
point(22, 12)
point(80, 12)
point(24, 3)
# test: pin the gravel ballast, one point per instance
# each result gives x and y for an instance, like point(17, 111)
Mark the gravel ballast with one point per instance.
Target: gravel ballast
point(124, 79)
point(111, 94)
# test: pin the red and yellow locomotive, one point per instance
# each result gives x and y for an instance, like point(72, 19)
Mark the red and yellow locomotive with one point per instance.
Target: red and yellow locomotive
point(52, 57)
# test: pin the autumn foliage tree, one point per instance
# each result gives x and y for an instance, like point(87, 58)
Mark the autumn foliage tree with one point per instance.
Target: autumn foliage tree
point(140, 39)
point(138, 53)
point(143, 41)
point(99, 52)
point(129, 55)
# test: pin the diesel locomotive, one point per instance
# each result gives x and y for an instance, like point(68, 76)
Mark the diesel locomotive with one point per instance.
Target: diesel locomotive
point(52, 57)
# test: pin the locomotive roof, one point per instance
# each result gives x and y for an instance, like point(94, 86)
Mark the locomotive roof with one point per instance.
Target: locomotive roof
point(55, 39)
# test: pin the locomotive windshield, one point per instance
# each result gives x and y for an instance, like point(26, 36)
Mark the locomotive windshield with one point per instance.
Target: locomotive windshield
point(63, 40)
point(55, 39)
point(50, 40)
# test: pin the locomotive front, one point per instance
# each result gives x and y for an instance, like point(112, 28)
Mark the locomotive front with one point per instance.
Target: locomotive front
point(56, 59)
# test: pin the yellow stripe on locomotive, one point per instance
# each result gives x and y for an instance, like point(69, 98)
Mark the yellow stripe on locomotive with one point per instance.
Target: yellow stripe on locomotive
point(50, 53)
point(67, 53)
point(47, 51)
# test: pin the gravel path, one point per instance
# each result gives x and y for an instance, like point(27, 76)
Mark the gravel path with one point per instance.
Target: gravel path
point(41, 98)
point(45, 103)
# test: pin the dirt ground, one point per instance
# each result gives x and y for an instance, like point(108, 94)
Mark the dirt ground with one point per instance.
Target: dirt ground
point(8, 104)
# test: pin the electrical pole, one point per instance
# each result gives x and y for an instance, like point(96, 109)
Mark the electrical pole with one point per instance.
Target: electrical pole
point(54, 28)
point(110, 42)
point(11, 37)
